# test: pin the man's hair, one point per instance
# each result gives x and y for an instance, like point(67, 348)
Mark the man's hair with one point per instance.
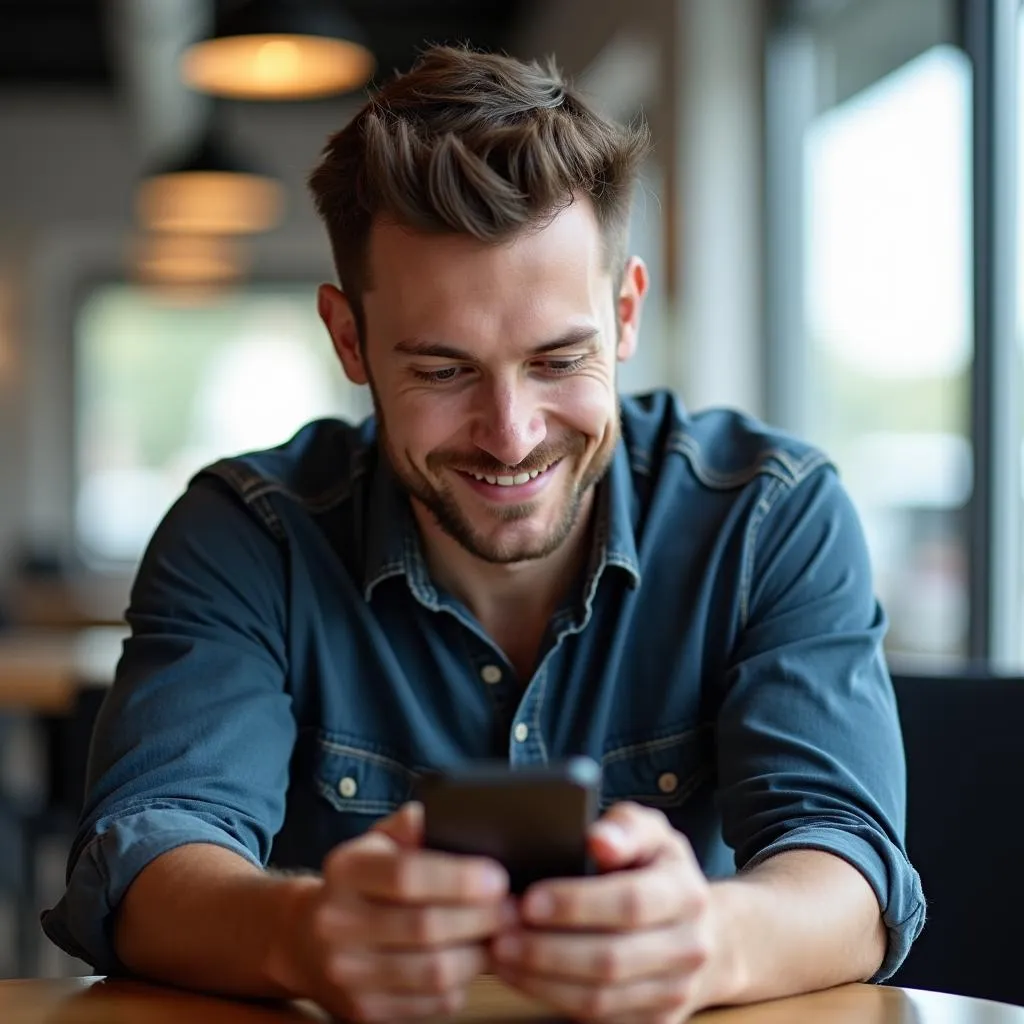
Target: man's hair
point(472, 143)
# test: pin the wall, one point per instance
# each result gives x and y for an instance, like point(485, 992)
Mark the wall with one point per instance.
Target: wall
point(66, 193)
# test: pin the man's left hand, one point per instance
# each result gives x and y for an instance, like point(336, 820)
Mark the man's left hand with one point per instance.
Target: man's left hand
point(633, 945)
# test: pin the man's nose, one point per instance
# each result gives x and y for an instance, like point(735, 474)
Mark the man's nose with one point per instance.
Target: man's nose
point(509, 423)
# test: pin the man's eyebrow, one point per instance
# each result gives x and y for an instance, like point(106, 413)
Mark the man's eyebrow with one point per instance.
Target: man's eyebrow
point(438, 350)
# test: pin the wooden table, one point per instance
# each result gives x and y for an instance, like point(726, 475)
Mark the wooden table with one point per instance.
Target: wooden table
point(42, 670)
point(96, 1001)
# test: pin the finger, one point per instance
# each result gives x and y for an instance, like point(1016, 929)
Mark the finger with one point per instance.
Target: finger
point(410, 928)
point(405, 826)
point(335, 864)
point(601, 958)
point(435, 973)
point(628, 900)
point(630, 835)
point(386, 872)
point(669, 994)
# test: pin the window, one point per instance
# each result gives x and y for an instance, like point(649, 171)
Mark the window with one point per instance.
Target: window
point(164, 388)
point(887, 312)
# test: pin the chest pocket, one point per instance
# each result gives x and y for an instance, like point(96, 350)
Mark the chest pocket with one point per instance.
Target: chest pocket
point(355, 780)
point(662, 772)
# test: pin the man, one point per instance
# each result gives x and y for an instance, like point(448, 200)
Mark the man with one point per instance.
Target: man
point(506, 561)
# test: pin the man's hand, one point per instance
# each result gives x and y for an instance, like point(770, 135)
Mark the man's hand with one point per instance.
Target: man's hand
point(394, 931)
point(634, 945)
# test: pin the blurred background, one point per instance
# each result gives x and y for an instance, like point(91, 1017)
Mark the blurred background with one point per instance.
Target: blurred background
point(830, 216)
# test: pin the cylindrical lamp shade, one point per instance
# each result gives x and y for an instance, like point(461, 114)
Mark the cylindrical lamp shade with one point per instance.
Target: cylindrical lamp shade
point(209, 202)
point(276, 67)
point(181, 260)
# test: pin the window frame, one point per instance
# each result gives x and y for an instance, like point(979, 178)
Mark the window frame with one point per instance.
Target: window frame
point(987, 31)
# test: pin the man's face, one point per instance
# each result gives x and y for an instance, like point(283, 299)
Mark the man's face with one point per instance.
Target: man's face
point(492, 369)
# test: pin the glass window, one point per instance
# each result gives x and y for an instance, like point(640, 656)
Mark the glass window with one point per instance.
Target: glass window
point(887, 311)
point(163, 388)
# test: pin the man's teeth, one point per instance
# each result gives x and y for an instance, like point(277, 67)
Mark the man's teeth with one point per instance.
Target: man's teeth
point(510, 481)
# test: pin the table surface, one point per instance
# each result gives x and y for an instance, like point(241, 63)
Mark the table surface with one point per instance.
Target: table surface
point(42, 670)
point(98, 1001)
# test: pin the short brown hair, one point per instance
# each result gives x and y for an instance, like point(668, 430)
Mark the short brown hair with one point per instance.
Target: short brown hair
point(474, 143)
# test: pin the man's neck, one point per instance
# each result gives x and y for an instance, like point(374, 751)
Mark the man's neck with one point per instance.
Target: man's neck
point(513, 601)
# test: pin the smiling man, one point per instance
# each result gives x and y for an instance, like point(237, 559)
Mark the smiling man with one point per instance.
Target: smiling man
point(508, 560)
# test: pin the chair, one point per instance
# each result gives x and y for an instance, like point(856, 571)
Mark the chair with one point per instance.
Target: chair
point(964, 739)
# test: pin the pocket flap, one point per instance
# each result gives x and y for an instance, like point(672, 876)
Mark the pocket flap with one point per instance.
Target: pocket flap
point(661, 772)
point(360, 781)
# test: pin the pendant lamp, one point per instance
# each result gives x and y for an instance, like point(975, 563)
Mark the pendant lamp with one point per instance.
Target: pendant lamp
point(279, 50)
point(187, 260)
point(207, 191)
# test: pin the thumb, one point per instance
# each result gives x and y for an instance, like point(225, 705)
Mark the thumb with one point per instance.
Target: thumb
point(405, 826)
point(627, 836)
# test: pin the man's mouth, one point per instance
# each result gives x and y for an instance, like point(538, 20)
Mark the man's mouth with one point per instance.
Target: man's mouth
point(516, 480)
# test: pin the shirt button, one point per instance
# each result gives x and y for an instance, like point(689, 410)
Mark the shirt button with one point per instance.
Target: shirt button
point(668, 782)
point(490, 674)
point(520, 732)
point(348, 787)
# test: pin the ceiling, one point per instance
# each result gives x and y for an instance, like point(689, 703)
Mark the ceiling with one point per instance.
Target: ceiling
point(50, 43)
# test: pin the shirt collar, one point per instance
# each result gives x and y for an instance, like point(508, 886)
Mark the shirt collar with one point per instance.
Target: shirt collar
point(392, 540)
point(393, 543)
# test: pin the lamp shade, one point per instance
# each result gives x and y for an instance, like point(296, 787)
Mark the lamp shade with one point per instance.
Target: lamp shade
point(209, 191)
point(187, 260)
point(279, 50)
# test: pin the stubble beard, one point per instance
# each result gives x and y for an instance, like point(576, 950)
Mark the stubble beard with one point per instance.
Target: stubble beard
point(442, 504)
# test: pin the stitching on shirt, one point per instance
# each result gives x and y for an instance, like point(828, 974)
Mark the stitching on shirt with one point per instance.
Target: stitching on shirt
point(265, 508)
point(639, 460)
point(535, 728)
point(757, 517)
point(252, 487)
point(367, 755)
point(656, 798)
point(385, 572)
point(774, 462)
point(652, 746)
point(354, 804)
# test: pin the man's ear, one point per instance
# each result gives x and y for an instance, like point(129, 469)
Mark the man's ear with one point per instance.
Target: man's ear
point(336, 312)
point(630, 301)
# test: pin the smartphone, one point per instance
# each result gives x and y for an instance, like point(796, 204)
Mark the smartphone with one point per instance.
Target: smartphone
point(533, 820)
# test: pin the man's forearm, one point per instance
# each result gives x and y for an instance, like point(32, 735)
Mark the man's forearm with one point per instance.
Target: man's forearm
point(801, 921)
point(202, 917)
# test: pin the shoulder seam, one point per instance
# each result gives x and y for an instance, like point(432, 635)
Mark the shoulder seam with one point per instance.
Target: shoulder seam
point(255, 490)
point(775, 462)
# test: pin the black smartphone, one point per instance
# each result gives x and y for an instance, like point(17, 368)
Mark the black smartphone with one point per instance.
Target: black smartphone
point(533, 820)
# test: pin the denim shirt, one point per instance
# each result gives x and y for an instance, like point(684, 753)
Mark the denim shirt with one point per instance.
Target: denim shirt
point(293, 667)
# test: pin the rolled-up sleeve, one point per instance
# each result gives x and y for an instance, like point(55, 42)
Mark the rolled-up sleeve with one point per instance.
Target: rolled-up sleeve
point(193, 742)
point(810, 752)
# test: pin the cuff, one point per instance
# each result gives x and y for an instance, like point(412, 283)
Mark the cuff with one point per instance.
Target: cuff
point(82, 922)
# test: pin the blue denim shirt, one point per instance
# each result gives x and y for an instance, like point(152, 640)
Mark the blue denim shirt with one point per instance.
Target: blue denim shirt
point(293, 667)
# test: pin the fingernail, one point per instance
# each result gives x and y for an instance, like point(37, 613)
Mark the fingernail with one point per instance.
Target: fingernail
point(539, 906)
point(611, 833)
point(494, 880)
point(508, 947)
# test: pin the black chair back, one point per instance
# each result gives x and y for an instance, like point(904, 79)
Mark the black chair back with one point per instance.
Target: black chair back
point(964, 740)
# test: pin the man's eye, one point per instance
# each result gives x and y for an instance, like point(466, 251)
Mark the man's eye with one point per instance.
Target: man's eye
point(560, 366)
point(442, 376)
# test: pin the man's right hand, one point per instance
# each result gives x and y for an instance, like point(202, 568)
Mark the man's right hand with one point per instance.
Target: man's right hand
point(393, 931)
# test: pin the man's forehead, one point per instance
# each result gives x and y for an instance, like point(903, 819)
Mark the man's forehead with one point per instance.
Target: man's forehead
point(571, 236)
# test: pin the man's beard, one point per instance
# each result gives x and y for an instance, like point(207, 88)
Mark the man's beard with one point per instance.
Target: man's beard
point(445, 508)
